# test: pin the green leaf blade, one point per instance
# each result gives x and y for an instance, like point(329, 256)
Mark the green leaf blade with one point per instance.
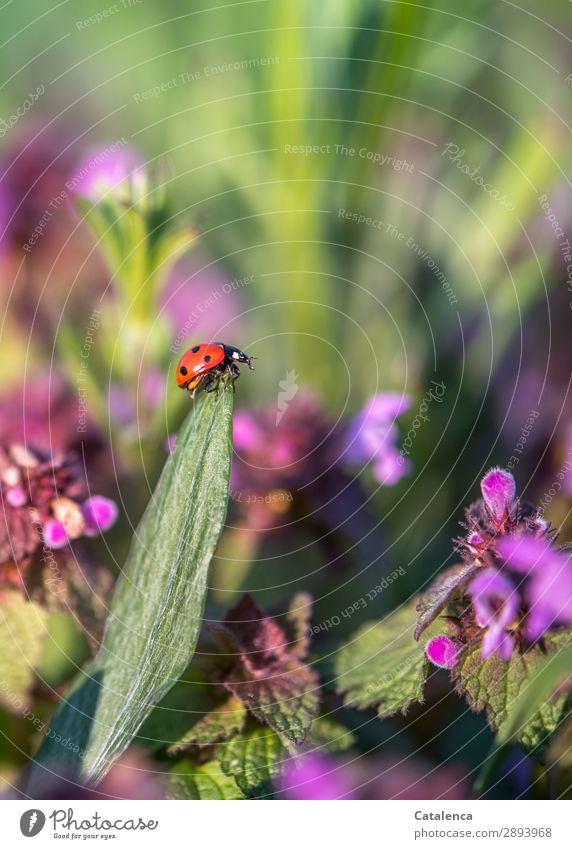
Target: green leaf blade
point(207, 781)
point(383, 665)
point(157, 607)
point(254, 759)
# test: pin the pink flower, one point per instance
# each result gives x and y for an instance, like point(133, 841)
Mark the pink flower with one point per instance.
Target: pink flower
point(103, 171)
point(54, 534)
point(547, 579)
point(100, 514)
point(246, 433)
point(499, 489)
point(313, 777)
point(372, 437)
point(442, 651)
point(496, 604)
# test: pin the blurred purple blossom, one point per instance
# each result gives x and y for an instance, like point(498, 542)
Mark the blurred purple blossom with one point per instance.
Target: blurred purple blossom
point(547, 581)
point(50, 508)
point(99, 514)
point(124, 405)
point(372, 436)
point(105, 170)
point(314, 777)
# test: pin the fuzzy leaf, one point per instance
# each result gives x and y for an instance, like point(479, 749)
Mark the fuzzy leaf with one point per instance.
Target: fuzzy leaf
point(274, 684)
point(157, 607)
point(286, 700)
point(328, 735)
point(205, 781)
point(382, 664)
point(449, 584)
point(535, 711)
point(22, 633)
point(219, 724)
point(254, 759)
point(516, 695)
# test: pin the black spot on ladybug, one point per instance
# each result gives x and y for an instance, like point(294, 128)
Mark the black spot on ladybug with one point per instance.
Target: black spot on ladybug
point(207, 359)
point(195, 349)
point(183, 370)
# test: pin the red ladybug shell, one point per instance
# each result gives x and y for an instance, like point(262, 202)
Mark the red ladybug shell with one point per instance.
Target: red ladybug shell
point(198, 360)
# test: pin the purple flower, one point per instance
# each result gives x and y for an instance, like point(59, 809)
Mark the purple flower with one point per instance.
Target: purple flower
point(103, 171)
point(547, 575)
point(246, 433)
point(499, 489)
point(372, 437)
point(54, 534)
point(496, 605)
point(313, 777)
point(442, 651)
point(100, 514)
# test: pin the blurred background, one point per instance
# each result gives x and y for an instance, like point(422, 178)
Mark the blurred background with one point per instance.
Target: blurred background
point(373, 199)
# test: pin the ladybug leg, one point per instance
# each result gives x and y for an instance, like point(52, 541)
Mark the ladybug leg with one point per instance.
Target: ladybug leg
point(193, 391)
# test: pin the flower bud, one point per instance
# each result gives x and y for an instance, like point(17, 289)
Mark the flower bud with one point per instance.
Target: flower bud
point(499, 489)
point(100, 514)
point(442, 651)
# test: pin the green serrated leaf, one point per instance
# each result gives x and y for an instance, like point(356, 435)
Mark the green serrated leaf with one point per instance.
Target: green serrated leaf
point(383, 665)
point(287, 700)
point(449, 584)
point(22, 633)
point(218, 724)
point(254, 759)
point(525, 706)
point(205, 781)
point(157, 607)
point(495, 686)
point(329, 735)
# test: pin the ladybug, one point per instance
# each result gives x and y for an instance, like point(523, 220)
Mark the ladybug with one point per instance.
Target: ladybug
point(204, 365)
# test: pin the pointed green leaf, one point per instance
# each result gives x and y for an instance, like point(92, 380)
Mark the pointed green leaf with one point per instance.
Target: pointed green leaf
point(383, 665)
point(286, 699)
point(205, 781)
point(157, 607)
point(520, 695)
point(515, 694)
point(329, 735)
point(218, 724)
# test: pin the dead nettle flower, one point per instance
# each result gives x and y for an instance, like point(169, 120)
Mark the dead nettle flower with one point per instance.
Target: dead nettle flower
point(372, 437)
point(44, 503)
point(442, 651)
point(514, 585)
